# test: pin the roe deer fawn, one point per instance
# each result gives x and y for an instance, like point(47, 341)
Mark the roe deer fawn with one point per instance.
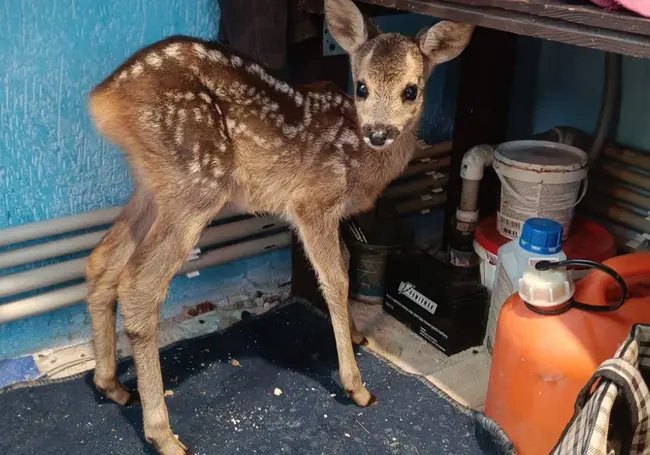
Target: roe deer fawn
point(202, 126)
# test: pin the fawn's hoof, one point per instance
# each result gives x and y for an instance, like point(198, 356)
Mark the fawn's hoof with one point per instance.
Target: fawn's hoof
point(134, 399)
point(114, 390)
point(168, 444)
point(360, 340)
point(362, 397)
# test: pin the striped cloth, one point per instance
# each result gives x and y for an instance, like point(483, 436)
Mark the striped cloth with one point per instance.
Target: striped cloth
point(614, 416)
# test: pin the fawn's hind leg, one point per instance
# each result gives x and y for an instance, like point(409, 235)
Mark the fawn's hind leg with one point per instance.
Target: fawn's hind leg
point(105, 265)
point(142, 290)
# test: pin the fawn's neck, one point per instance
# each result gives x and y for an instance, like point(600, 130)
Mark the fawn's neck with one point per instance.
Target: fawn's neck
point(388, 163)
point(377, 169)
point(369, 170)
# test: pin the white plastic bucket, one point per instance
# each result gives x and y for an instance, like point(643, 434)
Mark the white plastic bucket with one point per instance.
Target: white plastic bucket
point(487, 265)
point(538, 179)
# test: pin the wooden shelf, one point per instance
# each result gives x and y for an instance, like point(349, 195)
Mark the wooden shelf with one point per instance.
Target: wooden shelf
point(576, 11)
point(574, 22)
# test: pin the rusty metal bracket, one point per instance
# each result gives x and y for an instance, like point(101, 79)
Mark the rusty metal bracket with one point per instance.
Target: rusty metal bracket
point(330, 46)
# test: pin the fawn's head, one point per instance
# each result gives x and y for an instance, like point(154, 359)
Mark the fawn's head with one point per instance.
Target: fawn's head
point(390, 70)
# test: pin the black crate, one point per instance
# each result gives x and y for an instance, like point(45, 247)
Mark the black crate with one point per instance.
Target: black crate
point(445, 305)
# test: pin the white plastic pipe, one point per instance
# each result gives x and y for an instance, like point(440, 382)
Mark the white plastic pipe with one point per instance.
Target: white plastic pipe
point(61, 272)
point(43, 229)
point(472, 170)
point(475, 161)
point(238, 250)
point(71, 295)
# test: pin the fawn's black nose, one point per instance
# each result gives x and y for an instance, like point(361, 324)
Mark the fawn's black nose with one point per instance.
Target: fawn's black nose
point(379, 135)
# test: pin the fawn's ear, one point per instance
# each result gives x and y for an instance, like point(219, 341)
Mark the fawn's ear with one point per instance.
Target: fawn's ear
point(347, 25)
point(444, 41)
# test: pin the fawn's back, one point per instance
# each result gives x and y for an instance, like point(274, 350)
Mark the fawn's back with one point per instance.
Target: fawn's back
point(194, 117)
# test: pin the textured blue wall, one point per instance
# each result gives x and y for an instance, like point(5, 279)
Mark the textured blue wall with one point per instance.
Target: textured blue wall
point(564, 87)
point(52, 162)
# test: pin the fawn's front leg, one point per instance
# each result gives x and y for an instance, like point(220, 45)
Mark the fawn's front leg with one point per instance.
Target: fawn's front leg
point(357, 337)
point(322, 244)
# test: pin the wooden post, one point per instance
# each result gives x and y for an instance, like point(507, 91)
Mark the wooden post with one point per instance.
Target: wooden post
point(484, 92)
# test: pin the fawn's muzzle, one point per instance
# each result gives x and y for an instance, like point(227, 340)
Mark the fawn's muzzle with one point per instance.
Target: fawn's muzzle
point(379, 135)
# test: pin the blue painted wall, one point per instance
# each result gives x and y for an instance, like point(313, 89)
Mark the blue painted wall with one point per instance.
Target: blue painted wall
point(52, 162)
point(558, 84)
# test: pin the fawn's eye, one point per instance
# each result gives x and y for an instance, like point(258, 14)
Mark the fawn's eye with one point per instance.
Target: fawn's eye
point(362, 90)
point(410, 93)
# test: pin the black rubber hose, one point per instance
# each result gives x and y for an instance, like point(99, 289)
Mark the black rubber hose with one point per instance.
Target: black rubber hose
point(611, 101)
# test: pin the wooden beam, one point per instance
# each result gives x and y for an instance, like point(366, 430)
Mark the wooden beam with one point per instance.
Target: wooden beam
point(571, 11)
point(486, 76)
point(617, 32)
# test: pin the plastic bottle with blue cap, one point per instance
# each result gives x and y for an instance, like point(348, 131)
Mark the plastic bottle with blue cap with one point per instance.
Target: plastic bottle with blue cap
point(540, 240)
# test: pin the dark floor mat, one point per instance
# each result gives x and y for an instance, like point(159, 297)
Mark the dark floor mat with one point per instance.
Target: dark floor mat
point(218, 408)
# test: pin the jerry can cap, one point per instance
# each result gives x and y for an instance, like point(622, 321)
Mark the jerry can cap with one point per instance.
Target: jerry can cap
point(546, 289)
point(541, 235)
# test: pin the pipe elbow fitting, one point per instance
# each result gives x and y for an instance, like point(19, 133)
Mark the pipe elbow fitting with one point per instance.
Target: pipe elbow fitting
point(475, 161)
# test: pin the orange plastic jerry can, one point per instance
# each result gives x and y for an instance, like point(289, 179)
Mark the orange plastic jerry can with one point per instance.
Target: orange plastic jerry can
point(541, 362)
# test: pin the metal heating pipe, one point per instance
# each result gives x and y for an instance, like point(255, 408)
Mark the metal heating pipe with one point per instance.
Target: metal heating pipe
point(609, 210)
point(71, 295)
point(624, 174)
point(62, 272)
point(85, 242)
point(50, 250)
point(427, 182)
point(43, 229)
point(619, 191)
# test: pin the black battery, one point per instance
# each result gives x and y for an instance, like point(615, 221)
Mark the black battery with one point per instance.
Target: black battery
point(446, 305)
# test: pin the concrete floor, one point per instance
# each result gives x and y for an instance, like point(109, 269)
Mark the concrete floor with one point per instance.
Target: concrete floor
point(463, 376)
